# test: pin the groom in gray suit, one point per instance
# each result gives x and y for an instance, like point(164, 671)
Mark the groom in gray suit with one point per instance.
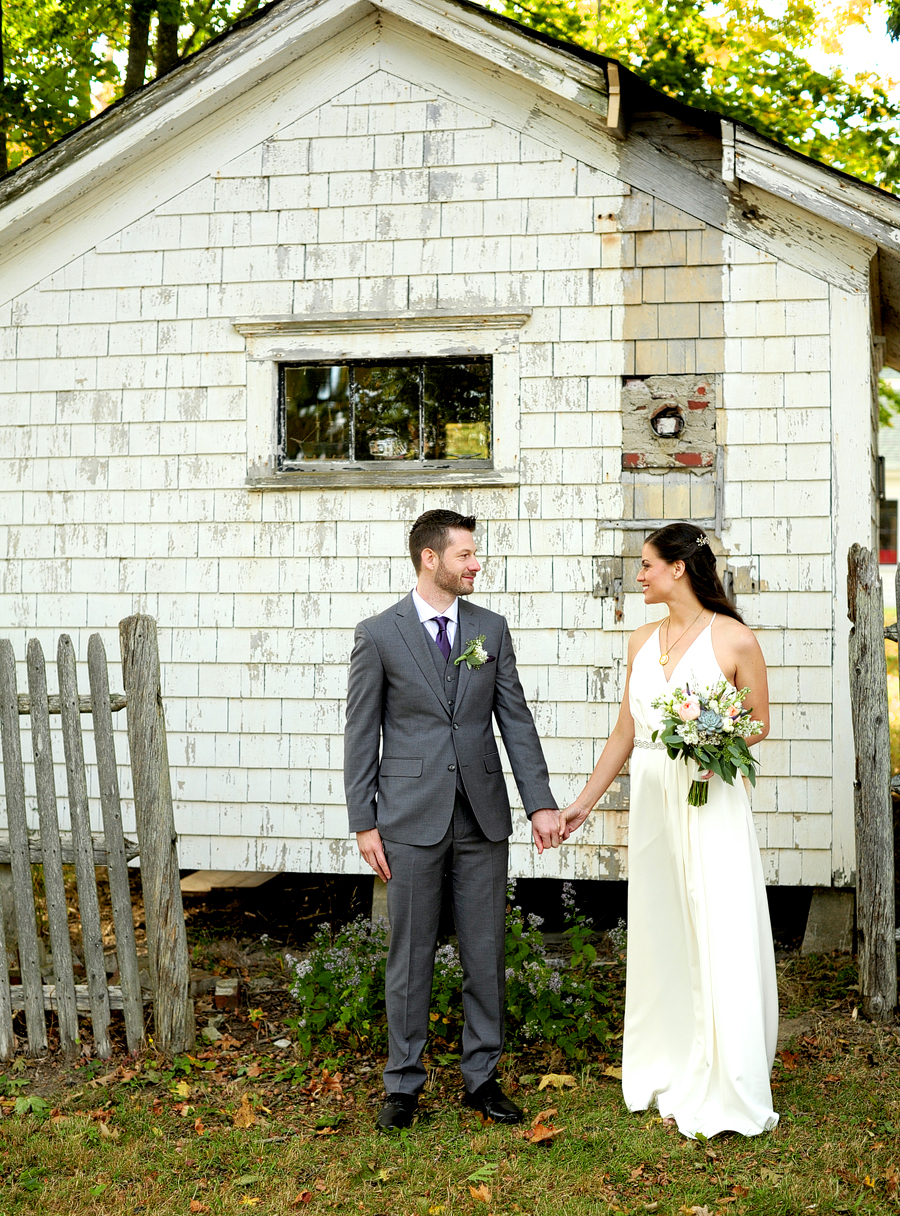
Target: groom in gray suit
point(426, 678)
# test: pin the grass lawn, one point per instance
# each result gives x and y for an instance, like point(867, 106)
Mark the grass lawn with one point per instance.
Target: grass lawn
point(244, 1125)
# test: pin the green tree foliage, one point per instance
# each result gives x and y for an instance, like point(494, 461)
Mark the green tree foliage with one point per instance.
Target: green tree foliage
point(63, 60)
point(53, 60)
point(888, 401)
point(735, 59)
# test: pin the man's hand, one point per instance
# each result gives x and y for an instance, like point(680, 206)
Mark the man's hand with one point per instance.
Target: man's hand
point(372, 849)
point(545, 829)
point(571, 819)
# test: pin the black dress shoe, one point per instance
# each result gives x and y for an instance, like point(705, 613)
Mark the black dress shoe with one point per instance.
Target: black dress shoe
point(490, 1100)
point(398, 1112)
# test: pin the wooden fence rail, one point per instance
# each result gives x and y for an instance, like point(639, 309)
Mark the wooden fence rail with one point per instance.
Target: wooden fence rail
point(875, 910)
point(21, 849)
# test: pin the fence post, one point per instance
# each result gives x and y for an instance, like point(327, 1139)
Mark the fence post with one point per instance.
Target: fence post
point(20, 851)
point(51, 851)
point(871, 791)
point(83, 846)
point(117, 867)
point(167, 941)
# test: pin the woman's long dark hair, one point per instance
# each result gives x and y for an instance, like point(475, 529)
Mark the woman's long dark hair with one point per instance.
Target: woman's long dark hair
point(678, 543)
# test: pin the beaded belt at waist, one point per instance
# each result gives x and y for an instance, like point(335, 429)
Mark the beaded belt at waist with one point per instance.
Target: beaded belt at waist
point(649, 743)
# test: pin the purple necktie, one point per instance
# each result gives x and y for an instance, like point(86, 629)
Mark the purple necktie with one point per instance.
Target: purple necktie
point(442, 638)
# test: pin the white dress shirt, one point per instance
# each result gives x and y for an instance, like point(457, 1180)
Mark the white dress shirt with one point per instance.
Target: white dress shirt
point(427, 616)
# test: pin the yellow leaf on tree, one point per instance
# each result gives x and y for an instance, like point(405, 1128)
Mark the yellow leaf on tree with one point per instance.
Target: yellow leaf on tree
point(558, 1080)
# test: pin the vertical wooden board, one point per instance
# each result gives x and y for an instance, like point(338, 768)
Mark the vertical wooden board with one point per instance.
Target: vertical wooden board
point(120, 892)
point(54, 886)
point(164, 914)
point(851, 520)
point(82, 843)
point(7, 1038)
point(20, 853)
point(874, 816)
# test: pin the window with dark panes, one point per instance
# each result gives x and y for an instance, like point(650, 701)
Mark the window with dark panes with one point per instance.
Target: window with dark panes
point(386, 410)
point(887, 532)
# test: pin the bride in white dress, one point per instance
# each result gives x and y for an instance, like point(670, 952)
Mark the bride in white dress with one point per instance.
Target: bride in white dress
point(701, 1004)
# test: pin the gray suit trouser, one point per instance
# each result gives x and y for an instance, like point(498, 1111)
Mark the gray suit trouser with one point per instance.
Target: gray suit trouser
point(478, 874)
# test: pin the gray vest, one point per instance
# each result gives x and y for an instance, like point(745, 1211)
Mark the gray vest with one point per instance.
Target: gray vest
point(449, 673)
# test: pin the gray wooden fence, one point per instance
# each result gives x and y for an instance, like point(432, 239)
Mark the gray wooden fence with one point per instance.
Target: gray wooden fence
point(51, 849)
point(875, 906)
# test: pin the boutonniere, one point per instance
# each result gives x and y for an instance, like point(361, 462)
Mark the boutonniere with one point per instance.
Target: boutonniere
point(475, 654)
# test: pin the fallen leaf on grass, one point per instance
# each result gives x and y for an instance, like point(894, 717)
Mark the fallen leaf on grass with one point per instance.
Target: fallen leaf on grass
point(244, 1116)
point(254, 1070)
point(198, 1126)
point(613, 1070)
point(739, 1191)
point(303, 1197)
point(541, 1131)
point(789, 1060)
point(557, 1080)
point(481, 1193)
point(197, 1206)
point(371, 1173)
point(107, 1132)
point(248, 1200)
point(247, 1180)
point(181, 1089)
point(696, 1210)
point(831, 1079)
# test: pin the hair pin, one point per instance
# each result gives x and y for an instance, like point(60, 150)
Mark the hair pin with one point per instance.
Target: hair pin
point(702, 540)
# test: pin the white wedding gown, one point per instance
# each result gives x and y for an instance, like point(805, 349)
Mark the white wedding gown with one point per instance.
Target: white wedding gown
point(701, 1003)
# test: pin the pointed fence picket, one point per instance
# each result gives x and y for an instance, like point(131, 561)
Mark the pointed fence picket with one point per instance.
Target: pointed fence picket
point(50, 849)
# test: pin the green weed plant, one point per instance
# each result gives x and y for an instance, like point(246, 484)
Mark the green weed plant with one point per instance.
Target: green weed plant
point(564, 1002)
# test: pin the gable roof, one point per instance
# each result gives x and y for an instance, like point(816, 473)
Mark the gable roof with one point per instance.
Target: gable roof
point(608, 95)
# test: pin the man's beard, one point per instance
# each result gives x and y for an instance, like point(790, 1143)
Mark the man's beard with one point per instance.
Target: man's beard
point(453, 584)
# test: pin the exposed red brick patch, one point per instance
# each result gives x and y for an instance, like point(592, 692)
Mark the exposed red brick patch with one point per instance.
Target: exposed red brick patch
point(697, 405)
point(633, 460)
point(693, 459)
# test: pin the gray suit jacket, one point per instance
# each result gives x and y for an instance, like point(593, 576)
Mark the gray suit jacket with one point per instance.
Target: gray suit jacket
point(395, 698)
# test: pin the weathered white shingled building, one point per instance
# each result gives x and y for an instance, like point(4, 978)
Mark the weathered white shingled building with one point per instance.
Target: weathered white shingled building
point(359, 259)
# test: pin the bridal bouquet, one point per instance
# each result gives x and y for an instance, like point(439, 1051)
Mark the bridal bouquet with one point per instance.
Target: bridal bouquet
point(710, 727)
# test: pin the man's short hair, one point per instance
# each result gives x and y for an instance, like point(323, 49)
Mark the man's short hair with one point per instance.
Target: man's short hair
point(432, 531)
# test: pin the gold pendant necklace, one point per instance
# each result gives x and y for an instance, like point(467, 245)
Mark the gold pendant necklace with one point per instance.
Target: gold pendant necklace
point(664, 657)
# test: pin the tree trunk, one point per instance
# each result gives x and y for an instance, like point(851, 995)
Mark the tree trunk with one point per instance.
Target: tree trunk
point(138, 44)
point(168, 19)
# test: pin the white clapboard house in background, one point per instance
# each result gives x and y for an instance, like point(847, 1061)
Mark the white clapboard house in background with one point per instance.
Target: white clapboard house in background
point(361, 258)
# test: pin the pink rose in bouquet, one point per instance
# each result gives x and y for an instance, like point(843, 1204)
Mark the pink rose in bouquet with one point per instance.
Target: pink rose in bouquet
point(689, 710)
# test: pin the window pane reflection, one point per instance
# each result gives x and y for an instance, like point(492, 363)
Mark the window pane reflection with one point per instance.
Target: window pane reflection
point(457, 410)
point(386, 408)
point(316, 413)
point(428, 410)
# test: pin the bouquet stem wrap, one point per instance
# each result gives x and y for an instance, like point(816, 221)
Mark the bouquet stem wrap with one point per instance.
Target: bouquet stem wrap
point(698, 794)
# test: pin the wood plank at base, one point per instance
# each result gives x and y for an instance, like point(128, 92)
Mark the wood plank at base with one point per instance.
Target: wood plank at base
point(201, 882)
point(82, 1002)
